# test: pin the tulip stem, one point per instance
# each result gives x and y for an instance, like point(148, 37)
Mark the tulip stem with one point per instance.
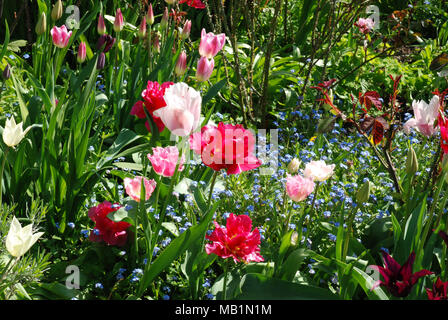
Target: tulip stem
point(224, 286)
point(1, 174)
point(212, 185)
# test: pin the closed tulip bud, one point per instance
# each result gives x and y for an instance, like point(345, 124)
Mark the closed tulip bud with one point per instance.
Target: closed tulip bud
point(57, 11)
point(204, 69)
point(6, 72)
point(156, 42)
point(142, 29)
point(119, 21)
point(101, 61)
point(181, 64)
point(150, 15)
point(411, 162)
point(41, 25)
point(101, 27)
point(81, 57)
point(19, 240)
point(13, 133)
point(363, 193)
point(105, 43)
point(165, 17)
point(294, 166)
point(186, 30)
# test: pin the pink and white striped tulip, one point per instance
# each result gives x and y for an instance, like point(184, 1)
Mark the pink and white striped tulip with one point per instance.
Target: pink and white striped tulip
point(204, 69)
point(211, 44)
point(60, 36)
point(119, 21)
point(164, 160)
point(134, 187)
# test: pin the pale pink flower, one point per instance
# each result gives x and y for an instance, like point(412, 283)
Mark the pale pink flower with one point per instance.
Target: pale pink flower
point(204, 69)
point(365, 25)
point(318, 170)
point(424, 117)
point(211, 44)
point(183, 109)
point(186, 30)
point(119, 21)
point(60, 36)
point(299, 188)
point(133, 187)
point(164, 160)
point(181, 64)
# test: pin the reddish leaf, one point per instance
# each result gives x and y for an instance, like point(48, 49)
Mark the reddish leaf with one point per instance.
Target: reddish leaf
point(377, 132)
point(371, 98)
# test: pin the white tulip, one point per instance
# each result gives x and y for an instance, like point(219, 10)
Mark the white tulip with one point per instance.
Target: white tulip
point(19, 240)
point(13, 133)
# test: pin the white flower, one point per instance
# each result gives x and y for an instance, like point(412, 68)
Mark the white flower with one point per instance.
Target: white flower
point(13, 133)
point(19, 240)
point(318, 170)
point(182, 112)
point(424, 117)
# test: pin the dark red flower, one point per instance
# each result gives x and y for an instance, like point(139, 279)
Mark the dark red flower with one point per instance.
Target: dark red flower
point(398, 279)
point(226, 146)
point(198, 4)
point(443, 125)
point(111, 232)
point(236, 240)
point(438, 291)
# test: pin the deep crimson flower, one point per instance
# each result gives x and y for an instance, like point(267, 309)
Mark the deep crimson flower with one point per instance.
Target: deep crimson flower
point(399, 280)
point(226, 146)
point(198, 4)
point(153, 100)
point(111, 232)
point(443, 125)
point(236, 240)
point(438, 291)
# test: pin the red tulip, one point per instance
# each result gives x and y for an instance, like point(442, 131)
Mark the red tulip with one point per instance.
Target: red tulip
point(198, 4)
point(236, 240)
point(226, 147)
point(111, 232)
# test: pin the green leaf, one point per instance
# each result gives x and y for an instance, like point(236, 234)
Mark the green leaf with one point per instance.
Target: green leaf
point(292, 264)
point(259, 287)
point(123, 215)
point(171, 227)
point(213, 91)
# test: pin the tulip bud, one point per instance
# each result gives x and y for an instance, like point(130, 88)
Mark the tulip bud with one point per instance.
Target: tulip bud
point(6, 72)
point(411, 162)
point(41, 25)
point(101, 27)
point(363, 193)
point(119, 22)
point(186, 30)
point(57, 11)
point(156, 42)
point(81, 52)
point(181, 64)
point(165, 17)
point(142, 29)
point(101, 61)
point(105, 43)
point(294, 166)
point(204, 69)
point(150, 15)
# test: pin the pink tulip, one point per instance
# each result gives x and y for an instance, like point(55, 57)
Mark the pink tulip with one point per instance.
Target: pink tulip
point(299, 188)
point(133, 187)
point(165, 18)
point(164, 160)
point(181, 64)
point(142, 29)
point(183, 109)
point(424, 117)
point(204, 69)
point(119, 22)
point(318, 170)
point(186, 30)
point(61, 36)
point(150, 15)
point(81, 52)
point(211, 44)
point(101, 27)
